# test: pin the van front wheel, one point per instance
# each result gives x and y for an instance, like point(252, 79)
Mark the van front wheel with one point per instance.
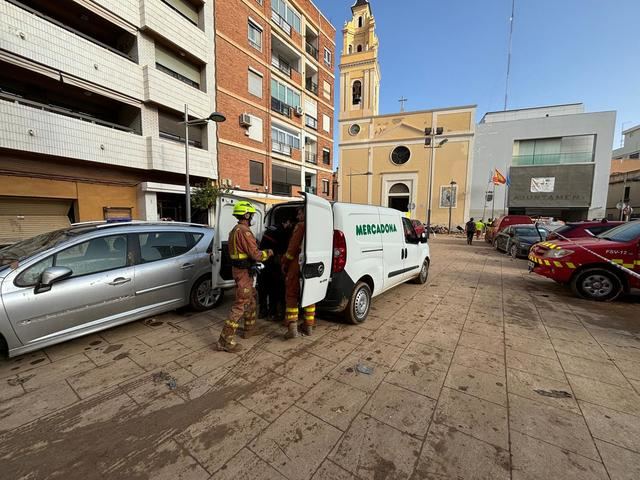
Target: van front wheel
point(422, 277)
point(359, 304)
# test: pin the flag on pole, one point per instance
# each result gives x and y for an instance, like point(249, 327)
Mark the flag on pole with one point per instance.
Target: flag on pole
point(499, 178)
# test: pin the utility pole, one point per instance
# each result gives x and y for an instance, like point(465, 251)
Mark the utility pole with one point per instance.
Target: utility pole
point(430, 135)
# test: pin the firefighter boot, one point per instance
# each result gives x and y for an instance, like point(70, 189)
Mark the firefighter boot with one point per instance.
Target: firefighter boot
point(307, 330)
point(227, 342)
point(309, 320)
point(292, 331)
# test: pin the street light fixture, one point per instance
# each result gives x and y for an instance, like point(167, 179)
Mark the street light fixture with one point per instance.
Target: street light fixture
point(214, 117)
point(452, 184)
point(350, 175)
point(431, 135)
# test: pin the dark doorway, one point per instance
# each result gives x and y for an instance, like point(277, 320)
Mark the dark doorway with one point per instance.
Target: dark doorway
point(399, 203)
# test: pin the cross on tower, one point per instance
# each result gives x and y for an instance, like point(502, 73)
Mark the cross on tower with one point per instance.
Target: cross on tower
point(402, 102)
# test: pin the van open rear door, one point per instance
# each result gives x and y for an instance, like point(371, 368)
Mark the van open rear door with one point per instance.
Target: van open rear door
point(318, 249)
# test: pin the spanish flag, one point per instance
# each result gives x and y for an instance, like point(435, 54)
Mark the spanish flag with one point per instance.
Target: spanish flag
point(499, 178)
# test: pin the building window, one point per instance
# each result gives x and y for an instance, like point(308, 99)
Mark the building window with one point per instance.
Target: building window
point(255, 83)
point(326, 156)
point(554, 151)
point(255, 35)
point(178, 67)
point(171, 128)
point(354, 129)
point(328, 57)
point(448, 196)
point(326, 123)
point(325, 187)
point(350, 49)
point(255, 130)
point(283, 180)
point(283, 98)
point(286, 14)
point(326, 89)
point(185, 9)
point(357, 92)
point(400, 155)
point(256, 173)
point(282, 141)
point(359, 49)
point(634, 156)
point(360, 22)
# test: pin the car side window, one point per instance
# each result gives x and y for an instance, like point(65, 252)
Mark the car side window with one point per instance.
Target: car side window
point(96, 255)
point(410, 234)
point(31, 275)
point(156, 246)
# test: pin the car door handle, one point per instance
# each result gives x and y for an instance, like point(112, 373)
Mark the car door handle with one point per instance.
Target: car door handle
point(187, 266)
point(120, 281)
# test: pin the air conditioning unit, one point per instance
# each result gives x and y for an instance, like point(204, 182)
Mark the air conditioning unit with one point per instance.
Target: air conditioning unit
point(245, 120)
point(298, 111)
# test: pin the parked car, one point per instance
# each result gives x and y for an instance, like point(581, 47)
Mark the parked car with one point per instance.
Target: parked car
point(86, 278)
point(517, 240)
point(503, 222)
point(591, 266)
point(582, 229)
point(418, 226)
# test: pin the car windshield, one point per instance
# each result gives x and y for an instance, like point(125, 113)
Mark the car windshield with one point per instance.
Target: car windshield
point(527, 231)
point(26, 248)
point(623, 233)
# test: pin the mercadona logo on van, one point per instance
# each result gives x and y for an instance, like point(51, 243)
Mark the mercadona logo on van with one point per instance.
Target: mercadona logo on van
point(374, 229)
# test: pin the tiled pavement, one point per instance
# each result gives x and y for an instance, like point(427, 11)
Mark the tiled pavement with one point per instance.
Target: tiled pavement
point(485, 373)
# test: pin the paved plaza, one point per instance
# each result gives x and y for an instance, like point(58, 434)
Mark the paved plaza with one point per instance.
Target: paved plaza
point(486, 372)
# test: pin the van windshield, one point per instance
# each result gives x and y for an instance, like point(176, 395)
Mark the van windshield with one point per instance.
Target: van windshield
point(623, 233)
point(21, 250)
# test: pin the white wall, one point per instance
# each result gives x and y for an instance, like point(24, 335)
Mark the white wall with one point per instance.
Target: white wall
point(494, 149)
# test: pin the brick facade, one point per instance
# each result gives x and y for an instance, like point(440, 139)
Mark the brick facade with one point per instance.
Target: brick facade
point(235, 56)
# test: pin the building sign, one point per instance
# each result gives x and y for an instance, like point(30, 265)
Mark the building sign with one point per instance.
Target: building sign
point(375, 229)
point(543, 185)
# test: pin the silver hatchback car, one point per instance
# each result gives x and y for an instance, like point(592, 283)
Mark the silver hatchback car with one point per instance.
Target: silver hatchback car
point(90, 277)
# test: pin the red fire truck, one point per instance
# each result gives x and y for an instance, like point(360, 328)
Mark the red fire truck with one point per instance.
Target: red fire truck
point(598, 268)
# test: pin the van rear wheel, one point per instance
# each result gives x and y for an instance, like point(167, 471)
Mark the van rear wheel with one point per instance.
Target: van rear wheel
point(359, 304)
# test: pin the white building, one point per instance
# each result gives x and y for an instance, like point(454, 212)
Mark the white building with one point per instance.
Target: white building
point(91, 96)
point(557, 159)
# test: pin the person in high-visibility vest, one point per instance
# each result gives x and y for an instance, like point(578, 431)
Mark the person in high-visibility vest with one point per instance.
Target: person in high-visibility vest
point(291, 269)
point(244, 252)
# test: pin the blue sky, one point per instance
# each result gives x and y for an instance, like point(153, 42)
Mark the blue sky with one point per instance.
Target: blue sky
point(441, 53)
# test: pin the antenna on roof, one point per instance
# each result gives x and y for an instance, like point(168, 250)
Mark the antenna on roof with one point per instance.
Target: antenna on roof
point(506, 89)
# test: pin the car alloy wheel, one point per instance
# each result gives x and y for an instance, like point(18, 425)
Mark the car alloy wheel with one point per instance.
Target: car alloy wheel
point(514, 251)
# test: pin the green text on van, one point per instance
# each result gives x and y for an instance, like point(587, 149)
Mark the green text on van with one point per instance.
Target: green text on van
point(374, 229)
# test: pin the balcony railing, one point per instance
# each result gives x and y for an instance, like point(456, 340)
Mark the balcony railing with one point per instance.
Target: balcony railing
point(281, 65)
point(552, 159)
point(280, 107)
point(283, 148)
point(311, 157)
point(64, 111)
point(281, 22)
point(312, 190)
point(311, 122)
point(311, 86)
point(311, 50)
point(281, 189)
point(179, 139)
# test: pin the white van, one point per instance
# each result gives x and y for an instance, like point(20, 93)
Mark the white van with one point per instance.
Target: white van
point(352, 253)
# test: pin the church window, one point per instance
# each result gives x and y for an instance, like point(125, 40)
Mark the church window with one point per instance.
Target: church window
point(357, 92)
point(359, 22)
point(359, 49)
point(354, 129)
point(400, 155)
point(350, 49)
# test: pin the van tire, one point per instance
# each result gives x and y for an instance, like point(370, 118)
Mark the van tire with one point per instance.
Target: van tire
point(359, 304)
point(200, 300)
point(423, 276)
point(597, 284)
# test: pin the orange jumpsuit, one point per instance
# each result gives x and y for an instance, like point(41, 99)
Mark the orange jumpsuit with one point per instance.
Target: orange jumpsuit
point(292, 279)
point(243, 250)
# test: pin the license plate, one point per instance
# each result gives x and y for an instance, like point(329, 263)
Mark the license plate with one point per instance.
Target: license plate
point(531, 266)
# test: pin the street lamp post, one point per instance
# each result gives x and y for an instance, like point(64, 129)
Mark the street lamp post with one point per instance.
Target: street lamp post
point(430, 142)
point(351, 175)
point(451, 185)
point(214, 117)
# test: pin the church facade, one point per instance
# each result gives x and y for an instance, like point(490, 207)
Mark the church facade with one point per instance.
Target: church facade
point(383, 158)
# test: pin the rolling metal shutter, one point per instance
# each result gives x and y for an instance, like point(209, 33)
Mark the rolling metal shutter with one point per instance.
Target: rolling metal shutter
point(22, 218)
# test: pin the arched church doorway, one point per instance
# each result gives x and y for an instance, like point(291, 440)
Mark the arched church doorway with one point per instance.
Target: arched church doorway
point(399, 197)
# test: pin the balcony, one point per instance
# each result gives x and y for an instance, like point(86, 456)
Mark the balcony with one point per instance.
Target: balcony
point(179, 139)
point(552, 159)
point(281, 65)
point(47, 130)
point(282, 148)
point(281, 188)
point(311, 122)
point(311, 50)
point(171, 92)
point(168, 156)
point(280, 107)
point(281, 22)
point(311, 86)
point(311, 157)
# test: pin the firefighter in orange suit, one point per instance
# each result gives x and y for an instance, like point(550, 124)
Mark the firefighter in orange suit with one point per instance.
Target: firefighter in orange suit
point(291, 269)
point(244, 252)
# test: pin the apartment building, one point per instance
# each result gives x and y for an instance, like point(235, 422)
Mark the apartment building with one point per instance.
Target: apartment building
point(275, 84)
point(92, 93)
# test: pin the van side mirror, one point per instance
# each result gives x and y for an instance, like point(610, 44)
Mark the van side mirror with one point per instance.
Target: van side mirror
point(50, 276)
point(423, 238)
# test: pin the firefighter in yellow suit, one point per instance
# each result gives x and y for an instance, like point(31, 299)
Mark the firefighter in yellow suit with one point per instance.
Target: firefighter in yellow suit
point(291, 269)
point(244, 252)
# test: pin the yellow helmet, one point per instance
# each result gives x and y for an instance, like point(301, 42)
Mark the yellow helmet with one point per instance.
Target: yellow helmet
point(242, 208)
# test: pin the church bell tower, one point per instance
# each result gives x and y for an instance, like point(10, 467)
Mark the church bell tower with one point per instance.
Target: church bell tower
point(359, 68)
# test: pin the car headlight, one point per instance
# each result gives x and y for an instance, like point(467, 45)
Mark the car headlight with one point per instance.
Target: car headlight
point(558, 253)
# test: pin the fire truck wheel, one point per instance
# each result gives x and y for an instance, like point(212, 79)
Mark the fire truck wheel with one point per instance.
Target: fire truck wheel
point(597, 284)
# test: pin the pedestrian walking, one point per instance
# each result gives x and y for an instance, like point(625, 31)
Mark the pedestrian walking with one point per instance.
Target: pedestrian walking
point(244, 252)
point(470, 230)
point(479, 228)
point(291, 269)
